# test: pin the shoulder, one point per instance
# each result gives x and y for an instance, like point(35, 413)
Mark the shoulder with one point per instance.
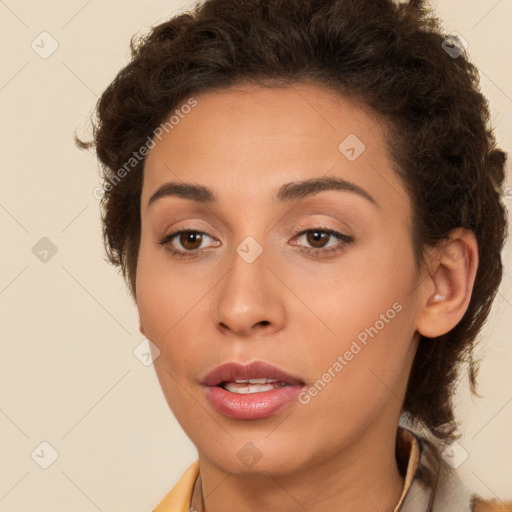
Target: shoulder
point(480, 505)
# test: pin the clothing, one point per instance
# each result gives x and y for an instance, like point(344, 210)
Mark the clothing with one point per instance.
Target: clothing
point(430, 484)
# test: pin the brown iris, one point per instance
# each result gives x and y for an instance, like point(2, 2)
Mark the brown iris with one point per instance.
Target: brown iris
point(314, 237)
point(191, 238)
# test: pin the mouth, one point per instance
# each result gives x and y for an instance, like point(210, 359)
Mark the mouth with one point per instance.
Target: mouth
point(252, 391)
point(237, 378)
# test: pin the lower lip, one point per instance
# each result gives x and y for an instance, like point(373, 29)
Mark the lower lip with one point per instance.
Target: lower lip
point(251, 406)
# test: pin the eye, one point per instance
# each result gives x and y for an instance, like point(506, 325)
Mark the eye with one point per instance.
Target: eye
point(319, 238)
point(188, 243)
point(191, 242)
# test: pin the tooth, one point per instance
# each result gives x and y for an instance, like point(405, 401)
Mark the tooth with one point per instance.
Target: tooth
point(254, 381)
point(248, 388)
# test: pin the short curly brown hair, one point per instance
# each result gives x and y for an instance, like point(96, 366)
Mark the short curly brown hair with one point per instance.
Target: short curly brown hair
point(394, 59)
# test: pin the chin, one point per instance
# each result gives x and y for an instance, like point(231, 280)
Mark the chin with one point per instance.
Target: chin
point(256, 455)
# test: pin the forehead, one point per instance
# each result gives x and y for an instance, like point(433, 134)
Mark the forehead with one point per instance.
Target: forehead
point(250, 139)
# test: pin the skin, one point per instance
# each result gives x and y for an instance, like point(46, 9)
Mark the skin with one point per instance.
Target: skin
point(295, 310)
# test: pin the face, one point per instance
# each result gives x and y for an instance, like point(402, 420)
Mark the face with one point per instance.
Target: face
point(319, 281)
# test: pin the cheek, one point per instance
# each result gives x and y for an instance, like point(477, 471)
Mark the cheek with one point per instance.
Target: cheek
point(358, 378)
point(366, 289)
point(164, 294)
point(171, 306)
point(371, 321)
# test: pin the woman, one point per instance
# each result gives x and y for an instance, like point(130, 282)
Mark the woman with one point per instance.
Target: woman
point(304, 198)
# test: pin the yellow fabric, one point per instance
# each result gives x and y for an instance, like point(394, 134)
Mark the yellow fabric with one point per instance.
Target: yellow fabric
point(480, 505)
point(178, 498)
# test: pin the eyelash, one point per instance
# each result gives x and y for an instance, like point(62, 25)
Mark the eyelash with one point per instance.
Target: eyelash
point(311, 251)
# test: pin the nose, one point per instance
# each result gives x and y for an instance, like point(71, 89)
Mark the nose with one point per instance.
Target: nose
point(250, 299)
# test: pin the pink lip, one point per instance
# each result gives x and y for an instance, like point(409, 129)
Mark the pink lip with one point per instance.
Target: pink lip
point(255, 370)
point(255, 405)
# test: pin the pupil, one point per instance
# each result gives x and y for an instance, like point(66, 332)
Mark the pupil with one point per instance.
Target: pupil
point(316, 236)
point(190, 238)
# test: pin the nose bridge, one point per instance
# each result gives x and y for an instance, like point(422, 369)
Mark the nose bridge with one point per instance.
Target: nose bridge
point(247, 298)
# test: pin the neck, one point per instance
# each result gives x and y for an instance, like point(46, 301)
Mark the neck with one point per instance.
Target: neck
point(362, 476)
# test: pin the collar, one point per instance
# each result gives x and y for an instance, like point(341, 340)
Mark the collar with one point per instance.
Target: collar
point(422, 473)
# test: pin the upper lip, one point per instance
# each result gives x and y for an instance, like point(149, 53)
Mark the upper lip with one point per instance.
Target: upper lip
point(256, 370)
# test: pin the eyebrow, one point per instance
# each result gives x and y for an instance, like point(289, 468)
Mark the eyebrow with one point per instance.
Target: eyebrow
point(287, 192)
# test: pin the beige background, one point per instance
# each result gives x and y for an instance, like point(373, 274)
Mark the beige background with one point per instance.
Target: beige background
point(68, 374)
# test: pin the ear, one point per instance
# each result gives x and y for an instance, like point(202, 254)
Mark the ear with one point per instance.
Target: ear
point(446, 291)
point(141, 327)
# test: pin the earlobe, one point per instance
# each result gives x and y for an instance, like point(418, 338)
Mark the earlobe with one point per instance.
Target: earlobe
point(141, 327)
point(447, 290)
